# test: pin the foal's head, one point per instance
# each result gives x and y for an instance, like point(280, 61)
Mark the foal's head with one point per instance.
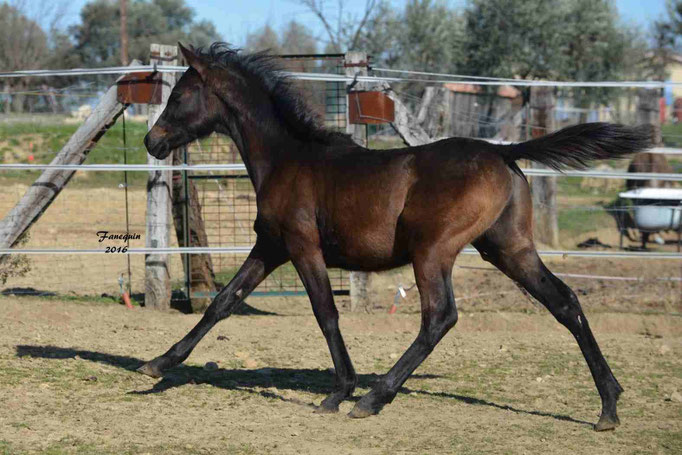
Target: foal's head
point(193, 110)
point(222, 91)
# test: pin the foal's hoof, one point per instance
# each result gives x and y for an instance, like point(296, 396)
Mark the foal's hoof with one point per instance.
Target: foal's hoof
point(150, 370)
point(607, 423)
point(360, 412)
point(364, 408)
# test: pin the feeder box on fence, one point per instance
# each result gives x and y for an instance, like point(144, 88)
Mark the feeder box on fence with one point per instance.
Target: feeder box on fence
point(370, 107)
point(140, 88)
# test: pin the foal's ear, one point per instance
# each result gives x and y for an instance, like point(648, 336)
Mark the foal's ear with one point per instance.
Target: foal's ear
point(194, 60)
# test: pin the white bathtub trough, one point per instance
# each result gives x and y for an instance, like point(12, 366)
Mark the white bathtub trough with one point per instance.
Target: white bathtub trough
point(656, 209)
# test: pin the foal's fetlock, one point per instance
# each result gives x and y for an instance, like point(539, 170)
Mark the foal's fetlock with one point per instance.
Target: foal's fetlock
point(330, 404)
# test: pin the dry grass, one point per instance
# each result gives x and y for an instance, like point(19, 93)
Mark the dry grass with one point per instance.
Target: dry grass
point(501, 382)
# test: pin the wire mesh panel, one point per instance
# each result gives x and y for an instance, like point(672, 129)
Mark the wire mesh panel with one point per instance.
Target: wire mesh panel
point(228, 200)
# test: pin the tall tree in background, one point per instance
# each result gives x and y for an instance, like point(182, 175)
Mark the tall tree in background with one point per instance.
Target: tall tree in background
point(382, 34)
point(593, 49)
point(513, 38)
point(265, 39)
point(665, 36)
point(161, 21)
point(297, 39)
point(294, 38)
point(343, 30)
point(431, 37)
point(555, 39)
point(30, 38)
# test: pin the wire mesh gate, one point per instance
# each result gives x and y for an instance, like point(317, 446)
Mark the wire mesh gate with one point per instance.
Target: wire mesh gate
point(227, 199)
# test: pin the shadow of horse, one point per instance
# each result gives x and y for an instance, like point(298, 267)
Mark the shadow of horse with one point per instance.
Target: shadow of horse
point(296, 379)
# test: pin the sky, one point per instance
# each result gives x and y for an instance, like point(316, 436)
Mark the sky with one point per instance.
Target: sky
point(234, 19)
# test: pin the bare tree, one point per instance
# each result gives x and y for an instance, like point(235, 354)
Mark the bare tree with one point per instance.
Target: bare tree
point(344, 30)
point(25, 30)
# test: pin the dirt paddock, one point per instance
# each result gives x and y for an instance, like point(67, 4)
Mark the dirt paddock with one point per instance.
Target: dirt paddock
point(503, 381)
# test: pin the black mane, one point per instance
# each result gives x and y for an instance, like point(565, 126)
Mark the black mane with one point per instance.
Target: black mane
point(289, 104)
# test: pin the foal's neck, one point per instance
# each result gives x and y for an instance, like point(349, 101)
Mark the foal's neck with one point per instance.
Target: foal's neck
point(260, 148)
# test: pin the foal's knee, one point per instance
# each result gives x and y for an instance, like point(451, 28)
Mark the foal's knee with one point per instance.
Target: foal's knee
point(439, 324)
point(567, 310)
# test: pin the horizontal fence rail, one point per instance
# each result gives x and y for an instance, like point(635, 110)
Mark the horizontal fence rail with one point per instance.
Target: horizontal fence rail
point(247, 249)
point(454, 78)
point(241, 167)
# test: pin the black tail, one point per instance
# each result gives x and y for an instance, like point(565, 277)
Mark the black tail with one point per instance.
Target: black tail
point(576, 146)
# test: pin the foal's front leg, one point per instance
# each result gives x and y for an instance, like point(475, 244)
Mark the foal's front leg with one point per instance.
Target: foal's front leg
point(262, 260)
point(312, 269)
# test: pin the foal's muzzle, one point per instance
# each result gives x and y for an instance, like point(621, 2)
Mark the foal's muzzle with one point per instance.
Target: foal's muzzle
point(156, 143)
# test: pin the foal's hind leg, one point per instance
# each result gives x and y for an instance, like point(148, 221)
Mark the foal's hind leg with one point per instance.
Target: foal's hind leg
point(508, 245)
point(439, 314)
point(262, 260)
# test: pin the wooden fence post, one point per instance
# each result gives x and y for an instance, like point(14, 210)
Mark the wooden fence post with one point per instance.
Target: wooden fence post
point(355, 63)
point(157, 285)
point(648, 112)
point(544, 189)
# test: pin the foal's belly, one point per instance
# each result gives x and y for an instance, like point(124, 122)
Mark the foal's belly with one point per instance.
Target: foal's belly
point(366, 247)
point(359, 217)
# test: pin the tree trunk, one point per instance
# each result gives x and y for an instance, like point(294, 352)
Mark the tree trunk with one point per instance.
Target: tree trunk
point(8, 98)
point(198, 267)
point(18, 98)
point(648, 112)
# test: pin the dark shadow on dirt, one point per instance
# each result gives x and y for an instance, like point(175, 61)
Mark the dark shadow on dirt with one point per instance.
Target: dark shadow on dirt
point(308, 380)
point(28, 292)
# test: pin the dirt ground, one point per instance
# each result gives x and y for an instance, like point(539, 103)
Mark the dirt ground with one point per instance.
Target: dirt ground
point(506, 381)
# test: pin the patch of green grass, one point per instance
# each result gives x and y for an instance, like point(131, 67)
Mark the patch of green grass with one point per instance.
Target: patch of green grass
point(578, 221)
point(10, 376)
point(672, 135)
point(109, 150)
point(570, 186)
point(107, 299)
point(5, 448)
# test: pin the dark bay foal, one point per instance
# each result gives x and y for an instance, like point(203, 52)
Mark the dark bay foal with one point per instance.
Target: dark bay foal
point(323, 201)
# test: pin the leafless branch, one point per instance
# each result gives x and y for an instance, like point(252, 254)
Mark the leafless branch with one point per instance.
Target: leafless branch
point(316, 8)
point(369, 7)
